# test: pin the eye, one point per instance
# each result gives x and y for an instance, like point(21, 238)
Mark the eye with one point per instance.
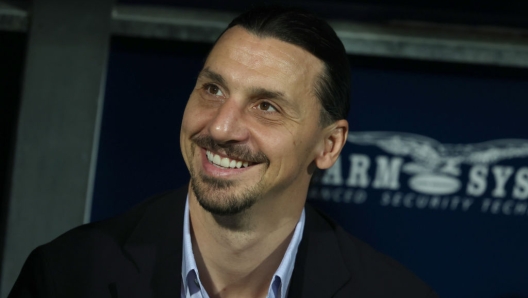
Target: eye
point(213, 89)
point(266, 106)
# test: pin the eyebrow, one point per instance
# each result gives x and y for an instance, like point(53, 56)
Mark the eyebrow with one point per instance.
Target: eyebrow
point(255, 92)
point(265, 93)
point(207, 73)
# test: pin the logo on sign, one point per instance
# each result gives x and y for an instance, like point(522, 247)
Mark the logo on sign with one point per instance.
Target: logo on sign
point(413, 171)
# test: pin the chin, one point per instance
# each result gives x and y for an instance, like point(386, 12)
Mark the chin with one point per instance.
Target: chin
point(224, 197)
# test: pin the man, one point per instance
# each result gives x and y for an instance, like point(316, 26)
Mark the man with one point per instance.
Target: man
point(268, 109)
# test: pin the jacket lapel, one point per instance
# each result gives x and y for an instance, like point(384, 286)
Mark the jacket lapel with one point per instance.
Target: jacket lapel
point(155, 248)
point(319, 267)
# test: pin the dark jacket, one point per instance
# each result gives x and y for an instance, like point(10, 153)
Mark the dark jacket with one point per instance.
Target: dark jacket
point(139, 254)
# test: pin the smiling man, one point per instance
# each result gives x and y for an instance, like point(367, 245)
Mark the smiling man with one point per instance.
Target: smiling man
point(267, 110)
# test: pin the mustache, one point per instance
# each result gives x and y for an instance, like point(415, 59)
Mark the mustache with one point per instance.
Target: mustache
point(236, 151)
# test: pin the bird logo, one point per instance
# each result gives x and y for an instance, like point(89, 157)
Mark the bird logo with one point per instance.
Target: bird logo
point(435, 167)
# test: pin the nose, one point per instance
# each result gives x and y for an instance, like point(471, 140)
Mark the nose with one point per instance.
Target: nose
point(228, 125)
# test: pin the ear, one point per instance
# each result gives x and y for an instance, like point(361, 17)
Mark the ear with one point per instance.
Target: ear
point(334, 141)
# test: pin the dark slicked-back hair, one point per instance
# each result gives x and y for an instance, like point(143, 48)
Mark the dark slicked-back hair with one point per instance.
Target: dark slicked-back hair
point(303, 29)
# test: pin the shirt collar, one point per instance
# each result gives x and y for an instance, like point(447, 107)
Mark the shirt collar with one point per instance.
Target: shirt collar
point(281, 278)
point(189, 268)
point(285, 270)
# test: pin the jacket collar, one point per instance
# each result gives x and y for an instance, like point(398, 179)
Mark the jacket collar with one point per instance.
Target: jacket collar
point(320, 270)
point(155, 248)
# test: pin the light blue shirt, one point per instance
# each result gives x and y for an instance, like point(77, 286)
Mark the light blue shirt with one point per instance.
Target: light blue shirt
point(192, 286)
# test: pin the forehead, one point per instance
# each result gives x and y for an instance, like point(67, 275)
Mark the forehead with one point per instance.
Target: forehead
point(242, 57)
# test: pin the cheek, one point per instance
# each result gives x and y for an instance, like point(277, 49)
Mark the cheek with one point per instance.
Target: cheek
point(194, 119)
point(305, 146)
point(290, 150)
point(190, 126)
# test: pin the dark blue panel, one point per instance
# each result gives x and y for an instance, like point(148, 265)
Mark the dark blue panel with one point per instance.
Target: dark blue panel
point(473, 250)
point(148, 84)
point(446, 148)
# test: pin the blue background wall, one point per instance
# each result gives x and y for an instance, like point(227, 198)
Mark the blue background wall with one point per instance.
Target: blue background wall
point(448, 109)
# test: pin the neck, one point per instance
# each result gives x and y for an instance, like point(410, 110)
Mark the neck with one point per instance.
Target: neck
point(237, 255)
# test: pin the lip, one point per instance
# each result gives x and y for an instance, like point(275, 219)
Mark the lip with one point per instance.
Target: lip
point(216, 171)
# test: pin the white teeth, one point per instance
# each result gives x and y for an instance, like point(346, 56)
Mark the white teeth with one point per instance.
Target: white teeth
point(233, 163)
point(217, 160)
point(224, 161)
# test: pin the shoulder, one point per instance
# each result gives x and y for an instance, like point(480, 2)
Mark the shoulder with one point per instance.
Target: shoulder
point(115, 231)
point(372, 274)
point(87, 258)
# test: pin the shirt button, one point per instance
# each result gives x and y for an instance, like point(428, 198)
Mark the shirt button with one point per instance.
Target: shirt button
point(196, 282)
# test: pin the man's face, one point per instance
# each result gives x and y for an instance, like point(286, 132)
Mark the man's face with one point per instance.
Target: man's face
point(250, 130)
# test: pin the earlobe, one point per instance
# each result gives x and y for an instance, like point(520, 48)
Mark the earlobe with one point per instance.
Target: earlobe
point(334, 141)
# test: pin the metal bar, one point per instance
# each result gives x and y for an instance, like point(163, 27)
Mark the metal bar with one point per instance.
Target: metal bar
point(491, 46)
point(13, 16)
point(445, 43)
point(480, 45)
point(58, 125)
point(167, 23)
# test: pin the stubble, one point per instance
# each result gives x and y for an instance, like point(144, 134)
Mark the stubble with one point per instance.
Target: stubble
point(221, 197)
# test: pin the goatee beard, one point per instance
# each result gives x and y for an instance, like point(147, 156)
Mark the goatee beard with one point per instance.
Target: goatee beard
point(224, 197)
point(209, 194)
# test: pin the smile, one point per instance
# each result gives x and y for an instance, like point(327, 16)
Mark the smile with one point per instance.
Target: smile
point(226, 162)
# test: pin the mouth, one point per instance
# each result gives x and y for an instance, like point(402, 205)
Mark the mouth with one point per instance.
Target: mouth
point(226, 162)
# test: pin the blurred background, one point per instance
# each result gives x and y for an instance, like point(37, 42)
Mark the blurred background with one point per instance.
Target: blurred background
point(434, 173)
